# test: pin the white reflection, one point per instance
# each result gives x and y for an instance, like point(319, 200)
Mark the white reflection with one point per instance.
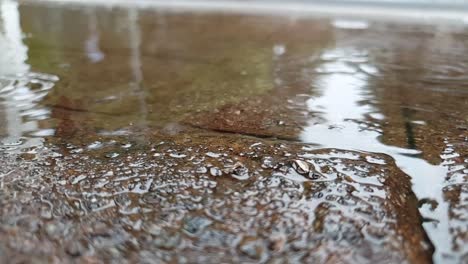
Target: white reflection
point(11, 40)
point(350, 24)
point(18, 100)
point(12, 61)
point(93, 51)
point(136, 64)
point(342, 124)
point(427, 11)
point(279, 49)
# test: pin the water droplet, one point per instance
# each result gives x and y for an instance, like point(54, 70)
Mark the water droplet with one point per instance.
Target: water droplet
point(112, 155)
point(279, 49)
point(301, 167)
point(215, 171)
point(95, 145)
point(201, 170)
point(177, 155)
point(213, 155)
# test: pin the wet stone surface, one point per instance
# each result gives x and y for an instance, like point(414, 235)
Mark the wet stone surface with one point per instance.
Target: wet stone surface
point(162, 202)
point(146, 135)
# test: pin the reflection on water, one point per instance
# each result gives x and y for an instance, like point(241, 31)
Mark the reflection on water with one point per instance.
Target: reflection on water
point(341, 122)
point(350, 114)
point(195, 91)
point(13, 61)
point(20, 89)
point(92, 43)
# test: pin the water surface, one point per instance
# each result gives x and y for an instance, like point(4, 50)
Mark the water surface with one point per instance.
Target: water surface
point(139, 115)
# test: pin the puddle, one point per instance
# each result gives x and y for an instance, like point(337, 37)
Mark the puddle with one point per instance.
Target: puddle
point(21, 90)
point(277, 137)
point(341, 123)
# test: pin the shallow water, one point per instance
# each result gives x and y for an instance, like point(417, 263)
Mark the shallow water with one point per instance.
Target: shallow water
point(168, 130)
point(343, 89)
